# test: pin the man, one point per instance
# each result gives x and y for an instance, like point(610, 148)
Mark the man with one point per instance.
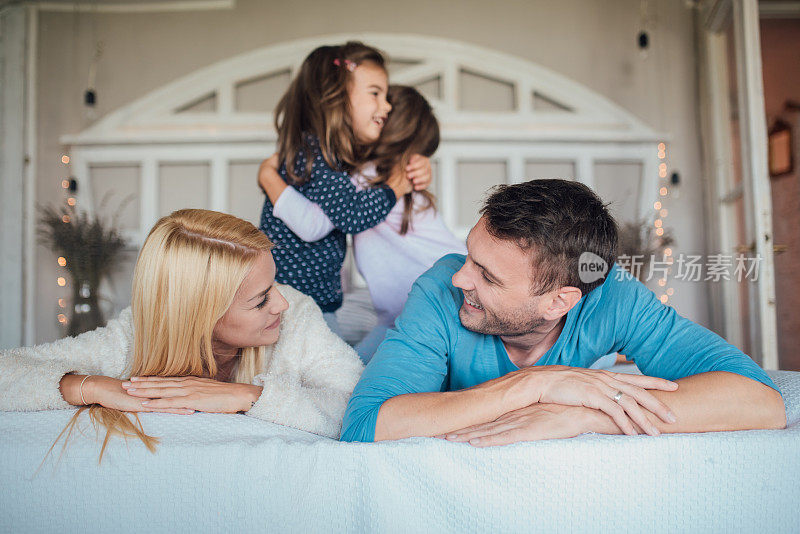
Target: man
point(492, 348)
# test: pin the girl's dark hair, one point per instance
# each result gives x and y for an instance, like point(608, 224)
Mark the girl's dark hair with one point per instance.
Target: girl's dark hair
point(411, 129)
point(316, 104)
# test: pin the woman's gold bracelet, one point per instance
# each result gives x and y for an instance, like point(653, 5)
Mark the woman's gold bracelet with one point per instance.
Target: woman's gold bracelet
point(80, 389)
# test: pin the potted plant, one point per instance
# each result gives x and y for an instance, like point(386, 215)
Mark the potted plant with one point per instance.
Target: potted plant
point(91, 247)
point(638, 240)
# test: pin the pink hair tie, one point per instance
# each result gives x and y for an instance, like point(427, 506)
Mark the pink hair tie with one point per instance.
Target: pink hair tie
point(351, 65)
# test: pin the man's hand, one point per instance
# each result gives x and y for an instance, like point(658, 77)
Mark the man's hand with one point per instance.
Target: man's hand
point(533, 423)
point(575, 386)
point(192, 393)
point(435, 413)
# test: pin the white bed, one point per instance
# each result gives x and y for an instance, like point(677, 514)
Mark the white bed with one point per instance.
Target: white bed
point(218, 473)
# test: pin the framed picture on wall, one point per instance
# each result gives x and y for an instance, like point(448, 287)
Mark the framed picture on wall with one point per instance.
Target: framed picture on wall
point(781, 159)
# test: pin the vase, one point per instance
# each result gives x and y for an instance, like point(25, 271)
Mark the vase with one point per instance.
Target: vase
point(86, 313)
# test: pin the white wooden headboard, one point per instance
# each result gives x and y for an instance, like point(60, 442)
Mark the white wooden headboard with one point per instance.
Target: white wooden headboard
point(503, 119)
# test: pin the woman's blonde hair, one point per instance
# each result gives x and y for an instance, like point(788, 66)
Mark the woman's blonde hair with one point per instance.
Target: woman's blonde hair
point(187, 274)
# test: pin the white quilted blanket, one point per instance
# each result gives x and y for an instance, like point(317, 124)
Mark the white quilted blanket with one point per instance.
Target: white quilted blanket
point(219, 473)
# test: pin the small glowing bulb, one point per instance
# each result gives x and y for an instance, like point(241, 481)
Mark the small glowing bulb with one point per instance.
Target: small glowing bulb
point(65, 184)
point(65, 218)
point(670, 292)
point(62, 303)
point(71, 201)
point(664, 299)
point(62, 318)
point(662, 154)
point(62, 261)
point(659, 231)
point(657, 205)
point(662, 167)
point(663, 212)
point(661, 147)
point(658, 223)
point(65, 159)
point(662, 282)
point(667, 252)
point(61, 281)
point(662, 191)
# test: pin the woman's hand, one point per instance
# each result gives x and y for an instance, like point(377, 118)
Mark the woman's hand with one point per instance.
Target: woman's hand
point(107, 392)
point(191, 393)
point(419, 172)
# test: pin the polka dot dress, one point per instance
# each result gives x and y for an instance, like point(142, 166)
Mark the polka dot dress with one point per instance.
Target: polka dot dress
point(315, 268)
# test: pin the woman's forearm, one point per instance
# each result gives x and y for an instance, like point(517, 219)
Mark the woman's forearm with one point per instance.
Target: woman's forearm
point(70, 387)
point(30, 377)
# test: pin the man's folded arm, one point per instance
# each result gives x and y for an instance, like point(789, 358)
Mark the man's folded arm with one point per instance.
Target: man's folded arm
point(721, 388)
point(401, 393)
point(720, 401)
point(432, 414)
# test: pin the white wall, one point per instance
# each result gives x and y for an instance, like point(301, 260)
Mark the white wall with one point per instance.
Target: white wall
point(13, 52)
point(589, 41)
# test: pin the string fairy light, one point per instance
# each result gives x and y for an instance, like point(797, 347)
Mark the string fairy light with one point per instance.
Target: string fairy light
point(658, 223)
point(68, 188)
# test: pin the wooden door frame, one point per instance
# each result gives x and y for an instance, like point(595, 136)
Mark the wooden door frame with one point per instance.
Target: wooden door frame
point(716, 16)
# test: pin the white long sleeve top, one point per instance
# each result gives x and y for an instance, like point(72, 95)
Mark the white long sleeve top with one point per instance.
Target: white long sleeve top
point(388, 261)
point(307, 379)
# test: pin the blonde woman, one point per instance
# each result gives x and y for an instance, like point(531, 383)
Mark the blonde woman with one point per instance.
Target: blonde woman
point(208, 330)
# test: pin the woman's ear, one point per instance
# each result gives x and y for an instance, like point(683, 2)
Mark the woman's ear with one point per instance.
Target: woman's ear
point(562, 301)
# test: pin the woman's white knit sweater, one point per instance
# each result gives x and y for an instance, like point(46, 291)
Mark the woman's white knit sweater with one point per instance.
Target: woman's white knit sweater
point(308, 374)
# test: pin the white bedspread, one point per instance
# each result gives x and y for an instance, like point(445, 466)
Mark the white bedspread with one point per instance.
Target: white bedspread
point(220, 473)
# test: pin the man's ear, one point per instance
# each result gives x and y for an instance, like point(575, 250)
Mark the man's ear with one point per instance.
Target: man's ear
point(562, 301)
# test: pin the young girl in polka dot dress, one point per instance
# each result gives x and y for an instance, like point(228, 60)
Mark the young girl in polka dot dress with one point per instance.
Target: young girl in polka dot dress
point(328, 122)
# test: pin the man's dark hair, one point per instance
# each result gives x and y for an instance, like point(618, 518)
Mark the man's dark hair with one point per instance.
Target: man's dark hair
point(556, 220)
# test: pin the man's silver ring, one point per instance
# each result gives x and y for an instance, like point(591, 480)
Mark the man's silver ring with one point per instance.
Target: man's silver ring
point(617, 397)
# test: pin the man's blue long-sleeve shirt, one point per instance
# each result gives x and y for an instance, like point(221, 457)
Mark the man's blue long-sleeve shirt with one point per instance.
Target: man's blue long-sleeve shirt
point(429, 350)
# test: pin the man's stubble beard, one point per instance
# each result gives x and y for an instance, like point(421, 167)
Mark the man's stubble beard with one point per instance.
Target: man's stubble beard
point(520, 323)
